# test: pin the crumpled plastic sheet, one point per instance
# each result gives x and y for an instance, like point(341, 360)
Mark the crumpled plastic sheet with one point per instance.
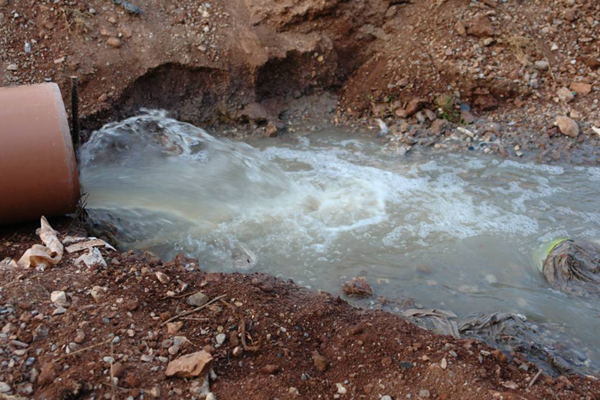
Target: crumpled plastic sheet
point(545, 345)
point(43, 255)
point(441, 321)
point(573, 268)
point(91, 258)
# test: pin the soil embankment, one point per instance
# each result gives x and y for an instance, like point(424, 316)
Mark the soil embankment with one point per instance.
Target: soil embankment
point(505, 70)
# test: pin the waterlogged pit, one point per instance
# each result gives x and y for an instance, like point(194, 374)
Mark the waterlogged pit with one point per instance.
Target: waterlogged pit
point(451, 231)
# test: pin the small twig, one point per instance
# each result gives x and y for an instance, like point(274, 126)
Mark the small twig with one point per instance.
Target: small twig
point(242, 330)
point(176, 297)
point(195, 319)
point(535, 378)
point(82, 350)
point(183, 314)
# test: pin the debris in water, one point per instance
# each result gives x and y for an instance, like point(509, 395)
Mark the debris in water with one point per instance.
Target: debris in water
point(384, 130)
point(573, 268)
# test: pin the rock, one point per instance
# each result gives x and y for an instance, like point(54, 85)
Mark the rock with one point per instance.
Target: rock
point(424, 393)
point(541, 65)
point(581, 88)
point(114, 42)
point(8, 328)
point(154, 392)
point(59, 61)
point(510, 385)
point(103, 97)
point(341, 389)
point(386, 397)
point(220, 339)
point(591, 62)
point(430, 115)
point(238, 351)
point(181, 341)
point(97, 293)
point(565, 95)
point(270, 369)
point(440, 126)
point(12, 67)
point(444, 363)
point(80, 337)
point(59, 298)
point(571, 14)
point(481, 27)
point(174, 327)
point(567, 126)
point(5, 387)
point(412, 107)
point(358, 287)
point(320, 362)
point(460, 29)
point(190, 365)
point(117, 369)
point(197, 299)
point(162, 277)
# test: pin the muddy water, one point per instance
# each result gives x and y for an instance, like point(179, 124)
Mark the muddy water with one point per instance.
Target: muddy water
point(453, 232)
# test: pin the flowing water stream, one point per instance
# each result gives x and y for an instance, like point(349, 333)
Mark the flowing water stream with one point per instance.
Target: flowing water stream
point(454, 232)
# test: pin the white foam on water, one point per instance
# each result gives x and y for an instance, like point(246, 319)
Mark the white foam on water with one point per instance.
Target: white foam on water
point(320, 208)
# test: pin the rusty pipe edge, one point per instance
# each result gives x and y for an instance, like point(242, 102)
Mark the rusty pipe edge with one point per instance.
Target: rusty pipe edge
point(38, 171)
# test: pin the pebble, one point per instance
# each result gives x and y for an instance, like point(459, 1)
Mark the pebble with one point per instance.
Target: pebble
point(567, 126)
point(444, 363)
point(4, 387)
point(174, 327)
point(565, 95)
point(197, 299)
point(424, 393)
point(12, 67)
point(80, 337)
point(542, 65)
point(341, 389)
point(386, 397)
point(162, 277)
point(59, 297)
point(114, 42)
point(59, 311)
point(97, 293)
point(221, 338)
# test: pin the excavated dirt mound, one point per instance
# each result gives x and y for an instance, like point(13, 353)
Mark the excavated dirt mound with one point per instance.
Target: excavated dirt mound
point(298, 343)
